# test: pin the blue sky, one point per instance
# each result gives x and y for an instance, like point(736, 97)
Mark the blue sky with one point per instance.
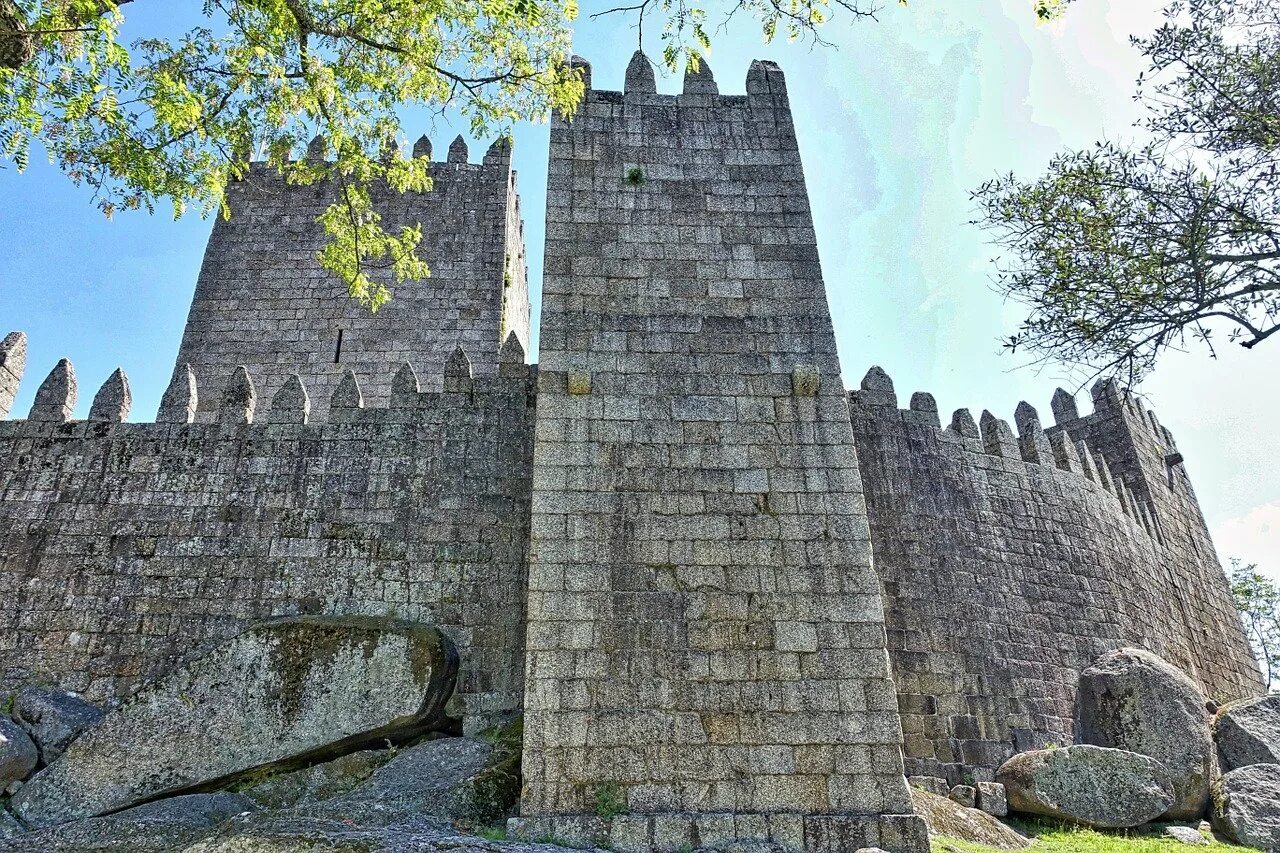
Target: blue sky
point(895, 128)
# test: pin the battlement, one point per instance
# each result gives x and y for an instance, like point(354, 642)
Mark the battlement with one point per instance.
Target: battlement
point(764, 80)
point(125, 545)
point(1058, 446)
point(239, 402)
point(264, 301)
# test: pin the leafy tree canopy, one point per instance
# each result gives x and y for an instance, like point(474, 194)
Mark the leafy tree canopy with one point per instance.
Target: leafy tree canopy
point(165, 120)
point(1121, 253)
point(1257, 599)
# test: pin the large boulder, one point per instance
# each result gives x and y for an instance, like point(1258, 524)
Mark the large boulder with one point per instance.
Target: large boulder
point(18, 755)
point(54, 718)
point(1248, 732)
point(947, 817)
point(1246, 806)
point(315, 783)
point(158, 827)
point(1133, 700)
point(1090, 785)
point(285, 694)
point(463, 779)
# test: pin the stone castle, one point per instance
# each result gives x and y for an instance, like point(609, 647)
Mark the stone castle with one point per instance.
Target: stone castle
point(721, 589)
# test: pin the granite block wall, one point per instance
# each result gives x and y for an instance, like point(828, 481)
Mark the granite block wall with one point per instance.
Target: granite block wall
point(706, 647)
point(1011, 561)
point(124, 546)
point(263, 301)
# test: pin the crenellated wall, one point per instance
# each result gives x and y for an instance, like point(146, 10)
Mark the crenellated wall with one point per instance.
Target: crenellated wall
point(126, 545)
point(264, 301)
point(1011, 561)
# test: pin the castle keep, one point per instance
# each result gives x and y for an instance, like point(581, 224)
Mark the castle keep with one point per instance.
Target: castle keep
point(723, 591)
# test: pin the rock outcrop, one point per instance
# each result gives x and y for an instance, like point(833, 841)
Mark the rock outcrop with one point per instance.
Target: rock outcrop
point(159, 827)
point(1131, 699)
point(283, 693)
point(53, 718)
point(947, 817)
point(1246, 806)
point(1090, 785)
point(18, 755)
point(1248, 732)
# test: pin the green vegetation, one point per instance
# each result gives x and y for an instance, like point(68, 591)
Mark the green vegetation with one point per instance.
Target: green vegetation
point(497, 832)
point(173, 119)
point(635, 176)
point(1257, 598)
point(1120, 252)
point(609, 801)
point(1056, 838)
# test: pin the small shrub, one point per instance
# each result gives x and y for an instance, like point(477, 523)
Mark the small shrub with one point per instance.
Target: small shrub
point(609, 801)
point(635, 176)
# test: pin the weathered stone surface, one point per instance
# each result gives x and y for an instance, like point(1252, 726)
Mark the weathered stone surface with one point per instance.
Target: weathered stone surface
point(965, 795)
point(18, 754)
point(1246, 806)
point(114, 399)
point(318, 782)
point(464, 779)
point(947, 817)
point(56, 396)
point(53, 718)
point(992, 799)
point(752, 564)
point(1092, 785)
point(1134, 700)
point(1186, 834)
point(9, 826)
point(932, 784)
point(282, 691)
point(158, 827)
point(1248, 732)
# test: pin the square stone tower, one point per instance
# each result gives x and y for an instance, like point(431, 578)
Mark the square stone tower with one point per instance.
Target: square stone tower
point(706, 642)
point(263, 300)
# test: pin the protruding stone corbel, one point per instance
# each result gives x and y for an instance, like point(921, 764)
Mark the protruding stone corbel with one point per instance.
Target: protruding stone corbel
point(806, 379)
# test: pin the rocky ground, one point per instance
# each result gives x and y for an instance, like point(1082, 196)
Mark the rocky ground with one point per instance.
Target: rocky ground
point(330, 735)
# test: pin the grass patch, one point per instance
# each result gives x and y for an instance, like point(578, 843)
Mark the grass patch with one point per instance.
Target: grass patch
point(493, 833)
point(1057, 838)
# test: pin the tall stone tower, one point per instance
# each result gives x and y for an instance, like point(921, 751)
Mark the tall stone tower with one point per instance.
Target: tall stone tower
point(263, 301)
point(706, 647)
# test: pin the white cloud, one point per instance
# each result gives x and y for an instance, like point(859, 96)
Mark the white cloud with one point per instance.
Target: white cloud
point(1253, 537)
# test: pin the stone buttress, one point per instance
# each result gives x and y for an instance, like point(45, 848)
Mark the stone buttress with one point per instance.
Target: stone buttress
point(706, 647)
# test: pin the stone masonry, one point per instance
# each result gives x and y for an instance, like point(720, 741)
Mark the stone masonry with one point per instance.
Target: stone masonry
point(1010, 562)
point(263, 302)
point(658, 544)
point(705, 638)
